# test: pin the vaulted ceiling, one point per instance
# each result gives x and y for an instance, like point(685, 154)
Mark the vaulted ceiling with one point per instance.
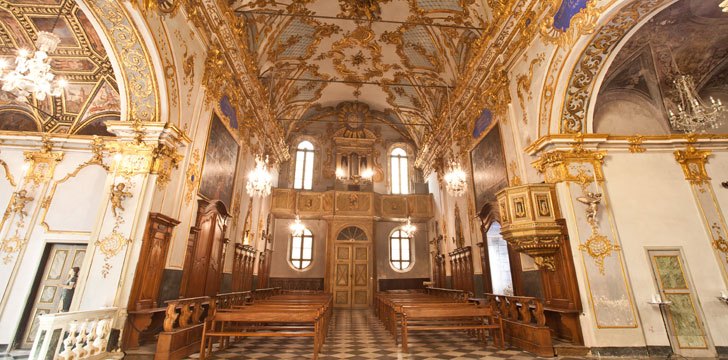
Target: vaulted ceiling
point(92, 95)
point(401, 57)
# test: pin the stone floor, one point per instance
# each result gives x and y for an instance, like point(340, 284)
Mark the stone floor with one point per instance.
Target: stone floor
point(358, 334)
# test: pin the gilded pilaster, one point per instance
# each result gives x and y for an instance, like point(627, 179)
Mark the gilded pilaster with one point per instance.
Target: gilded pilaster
point(692, 162)
point(592, 228)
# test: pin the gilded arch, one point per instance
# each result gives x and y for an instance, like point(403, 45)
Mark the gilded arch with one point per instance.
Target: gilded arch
point(138, 86)
point(594, 59)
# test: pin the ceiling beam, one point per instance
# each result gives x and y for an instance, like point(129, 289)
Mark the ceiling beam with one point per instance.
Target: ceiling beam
point(276, 13)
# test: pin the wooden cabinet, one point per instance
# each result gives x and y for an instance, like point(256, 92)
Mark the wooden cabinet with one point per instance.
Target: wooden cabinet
point(152, 258)
point(204, 263)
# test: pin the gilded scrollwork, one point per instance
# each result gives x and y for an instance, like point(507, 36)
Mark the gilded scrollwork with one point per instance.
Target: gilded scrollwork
point(133, 57)
point(192, 179)
point(693, 162)
point(592, 60)
point(582, 23)
point(523, 85)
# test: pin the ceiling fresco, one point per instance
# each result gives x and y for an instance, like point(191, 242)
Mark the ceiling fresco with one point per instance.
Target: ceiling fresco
point(401, 57)
point(692, 33)
point(92, 95)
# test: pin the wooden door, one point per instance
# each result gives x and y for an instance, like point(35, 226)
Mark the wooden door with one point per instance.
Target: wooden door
point(351, 275)
point(684, 316)
point(61, 258)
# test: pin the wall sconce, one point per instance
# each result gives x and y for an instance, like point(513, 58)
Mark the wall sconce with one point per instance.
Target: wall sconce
point(367, 174)
point(340, 174)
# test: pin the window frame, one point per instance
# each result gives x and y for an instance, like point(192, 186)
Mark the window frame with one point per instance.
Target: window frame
point(400, 238)
point(403, 188)
point(302, 156)
point(306, 234)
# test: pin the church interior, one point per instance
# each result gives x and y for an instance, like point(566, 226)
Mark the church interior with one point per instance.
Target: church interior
point(363, 179)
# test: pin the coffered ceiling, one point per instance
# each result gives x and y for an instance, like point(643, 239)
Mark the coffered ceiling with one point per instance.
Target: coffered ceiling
point(91, 96)
point(401, 57)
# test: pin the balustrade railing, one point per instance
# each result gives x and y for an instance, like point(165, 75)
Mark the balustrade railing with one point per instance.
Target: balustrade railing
point(77, 335)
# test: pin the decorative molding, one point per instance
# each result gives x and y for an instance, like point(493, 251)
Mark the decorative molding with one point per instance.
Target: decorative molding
point(692, 162)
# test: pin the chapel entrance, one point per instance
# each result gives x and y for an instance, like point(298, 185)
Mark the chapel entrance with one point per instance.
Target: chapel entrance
point(351, 285)
point(47, 295)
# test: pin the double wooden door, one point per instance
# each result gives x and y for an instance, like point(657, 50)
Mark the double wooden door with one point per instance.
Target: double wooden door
point(61, 258)
point(351, 275)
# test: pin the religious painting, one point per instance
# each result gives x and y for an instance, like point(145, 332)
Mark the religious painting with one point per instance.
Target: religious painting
point(459, 237)
point(567, 10)
point(489, 168)
point(519, 207)
point(221, 158)
point(482, 123)
point(542, 201)
point(106, 99)
point(76, 95)
point(11, 120)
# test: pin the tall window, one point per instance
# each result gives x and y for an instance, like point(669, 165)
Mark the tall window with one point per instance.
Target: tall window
point(400, 253)
point(500, 265)
point(302, 250)
point(304, 166)
point(399, 171)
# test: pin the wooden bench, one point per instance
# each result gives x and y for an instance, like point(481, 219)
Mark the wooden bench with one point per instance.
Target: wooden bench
point(306, 315)
point(451, 317)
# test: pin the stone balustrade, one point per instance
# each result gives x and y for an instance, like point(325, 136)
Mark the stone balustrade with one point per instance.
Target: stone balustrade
point(75, 335)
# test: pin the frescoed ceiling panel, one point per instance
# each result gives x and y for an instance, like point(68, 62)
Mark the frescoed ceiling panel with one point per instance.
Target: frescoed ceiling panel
point(80, 59)
point(398, 56)
point(690, 36)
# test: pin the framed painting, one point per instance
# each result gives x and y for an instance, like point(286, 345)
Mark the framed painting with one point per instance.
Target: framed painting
point(489, 168)
point(217, 180)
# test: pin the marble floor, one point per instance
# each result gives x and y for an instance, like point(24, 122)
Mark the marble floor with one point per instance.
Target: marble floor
point(358, 334)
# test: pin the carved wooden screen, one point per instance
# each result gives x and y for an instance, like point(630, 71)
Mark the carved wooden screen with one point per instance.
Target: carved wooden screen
point(207, 260)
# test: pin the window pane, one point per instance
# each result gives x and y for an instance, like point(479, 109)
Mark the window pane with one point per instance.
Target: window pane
point(395, 175)
point(298, 177)
point(305, 264)
point(306, 254)
point(405, 249)
point(296, 241)
point(405, 264)
point(404, 188)
point(395, 249)
point(399, 152)
point(307, 242)
point(296, 264)
point(305, 145)
point(308, 173)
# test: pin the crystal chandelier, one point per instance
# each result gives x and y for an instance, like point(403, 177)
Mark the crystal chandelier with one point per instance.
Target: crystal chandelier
point(693, 114)
point(32, 75)
point(724, 6)
point(409, 229)
point(297, 228)
point(259, 180)
point(455, 179)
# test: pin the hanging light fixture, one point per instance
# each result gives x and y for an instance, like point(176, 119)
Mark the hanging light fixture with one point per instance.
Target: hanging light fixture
point(724, 6)
point(409, 229)
point(297, 228)
point(693, 114)
point(32, 75)
point(260, 179)
point(455, 179)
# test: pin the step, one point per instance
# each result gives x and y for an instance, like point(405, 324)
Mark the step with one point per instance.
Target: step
point(568, 349)
point(144, 352)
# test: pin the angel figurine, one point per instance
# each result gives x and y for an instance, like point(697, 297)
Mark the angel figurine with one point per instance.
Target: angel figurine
point(592, 201)
point(118, 194)
point(21, 199)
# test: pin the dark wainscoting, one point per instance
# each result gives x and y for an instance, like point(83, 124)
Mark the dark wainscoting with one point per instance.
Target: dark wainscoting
point(478, 285)
point(532, 284)
point(402, 284)
point(297, 283)
point(255, 283)
point(227, 283)
point(171, 281)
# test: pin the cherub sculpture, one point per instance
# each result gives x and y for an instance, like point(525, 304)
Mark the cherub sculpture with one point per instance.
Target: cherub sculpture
point(21, 199)
point(592, 201)
point(118, 194)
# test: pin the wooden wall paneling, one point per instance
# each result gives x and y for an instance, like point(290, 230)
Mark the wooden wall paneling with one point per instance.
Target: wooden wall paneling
point(152, 258)
point(297, 283)
point(461, 262)
point(206, 261)
point(189, 255)
point(485, 265)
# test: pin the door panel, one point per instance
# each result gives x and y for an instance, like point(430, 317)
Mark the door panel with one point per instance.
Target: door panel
point(351, 275)
point(48, 294)
point(685, 325)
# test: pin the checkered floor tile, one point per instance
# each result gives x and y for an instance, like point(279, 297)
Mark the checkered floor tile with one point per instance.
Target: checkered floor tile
point(358, 335)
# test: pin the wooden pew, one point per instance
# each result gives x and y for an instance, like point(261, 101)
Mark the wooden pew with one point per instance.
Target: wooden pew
point(270, 314)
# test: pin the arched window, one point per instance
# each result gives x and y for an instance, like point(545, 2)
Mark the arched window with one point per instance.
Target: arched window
point(400, 183)
point(303, 178)
point(302, 250)
point(400, 250)
point(500, 266)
